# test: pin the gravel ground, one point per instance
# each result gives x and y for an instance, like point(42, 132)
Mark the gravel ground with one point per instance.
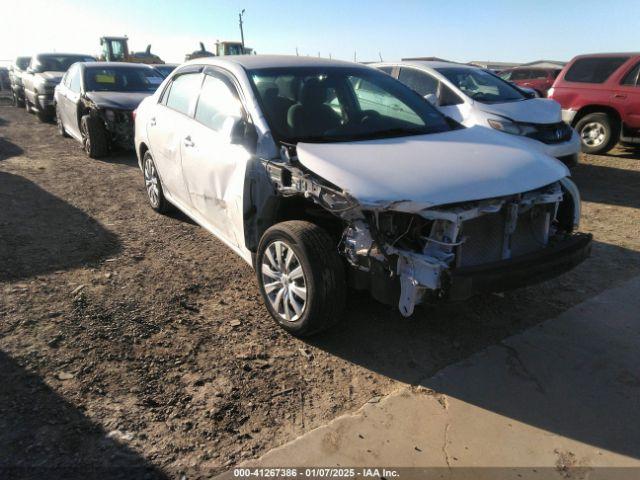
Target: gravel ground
point(134, 345)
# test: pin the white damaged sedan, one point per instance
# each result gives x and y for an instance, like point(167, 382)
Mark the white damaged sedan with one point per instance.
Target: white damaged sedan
point(325, 174)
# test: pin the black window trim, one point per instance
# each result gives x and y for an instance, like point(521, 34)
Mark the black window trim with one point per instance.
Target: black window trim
point(636, 82)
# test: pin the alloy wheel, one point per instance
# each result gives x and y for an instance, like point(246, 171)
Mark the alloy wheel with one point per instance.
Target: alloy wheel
point(593, 134)
point(151, 182)
point(284, 281)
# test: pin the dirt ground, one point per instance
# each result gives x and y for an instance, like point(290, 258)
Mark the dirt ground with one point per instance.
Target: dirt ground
point(135, 345)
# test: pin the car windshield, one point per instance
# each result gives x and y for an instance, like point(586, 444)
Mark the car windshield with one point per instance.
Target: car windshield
point(337, 104)
point(121, 79)
point(60, 63)
point(165, 70)
point(483, 86)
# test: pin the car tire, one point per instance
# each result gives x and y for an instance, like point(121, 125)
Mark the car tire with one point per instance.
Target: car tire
point(17, 102)
point(301, 277)
point(61, 130)
point(153, 185)
point(598, 133)
point(94, 137)
point(43, 115)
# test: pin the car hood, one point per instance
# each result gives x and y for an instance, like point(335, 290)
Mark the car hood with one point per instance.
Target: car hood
point(52, 77)
point(423, 171)
point(534, 110)
point(118, 100)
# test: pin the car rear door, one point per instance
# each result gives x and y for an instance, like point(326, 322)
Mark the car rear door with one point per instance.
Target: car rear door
point(626, 97)
point(166, 126)
point(213, 167)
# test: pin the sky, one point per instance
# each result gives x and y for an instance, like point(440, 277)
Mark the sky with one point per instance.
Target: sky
point(497, 30)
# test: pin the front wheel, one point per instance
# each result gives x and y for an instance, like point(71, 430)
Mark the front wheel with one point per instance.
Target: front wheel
point(301, 277)
point(598, 133)
point(17, 101)
point(61, 130)
point(94, 137)
point(152, 185)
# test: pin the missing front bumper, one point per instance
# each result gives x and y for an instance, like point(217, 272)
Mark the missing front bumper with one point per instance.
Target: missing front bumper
point(520, 271)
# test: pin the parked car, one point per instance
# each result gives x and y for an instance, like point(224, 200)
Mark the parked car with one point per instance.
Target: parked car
point(600, 97)
point(538, 79)
point(322, 174)
point(41, 77)
point(16, 72)
point(474, 96)
point(95, 103)
point(166, 68)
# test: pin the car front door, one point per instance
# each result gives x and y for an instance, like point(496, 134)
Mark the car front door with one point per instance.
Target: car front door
point(626, 97)
point(213, 166)
point(70, 98)
point(166, 128)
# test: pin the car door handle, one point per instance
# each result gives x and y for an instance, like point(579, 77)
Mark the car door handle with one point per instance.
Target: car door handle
point(188, 142)
point(152, 122)
point(619, 95)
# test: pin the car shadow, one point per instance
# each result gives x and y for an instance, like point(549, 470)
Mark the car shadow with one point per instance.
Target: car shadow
point(122, 157)
point(41, 233)
point(9, 149)
point(609, 185)
point(625, 151)
point(412, 350)
point(44, 436)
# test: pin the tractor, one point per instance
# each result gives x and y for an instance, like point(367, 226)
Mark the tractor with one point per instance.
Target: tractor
point(116, 49)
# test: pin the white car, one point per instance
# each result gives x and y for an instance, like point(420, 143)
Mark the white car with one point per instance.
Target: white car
point(294, 166)
point(475, 96)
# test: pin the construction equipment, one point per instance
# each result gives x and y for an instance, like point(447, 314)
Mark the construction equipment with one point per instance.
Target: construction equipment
point(232, 48)
point(199, 53)
point(116, 49)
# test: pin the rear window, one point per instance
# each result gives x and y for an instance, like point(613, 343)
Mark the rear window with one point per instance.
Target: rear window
point(594, 70)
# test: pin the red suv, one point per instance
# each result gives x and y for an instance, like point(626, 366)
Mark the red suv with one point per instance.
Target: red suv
point(539, 79)
point(600, 98)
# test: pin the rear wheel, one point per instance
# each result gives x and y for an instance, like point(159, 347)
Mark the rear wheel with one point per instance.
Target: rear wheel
point(301, 277)
point(94, 137)
point(598, 133)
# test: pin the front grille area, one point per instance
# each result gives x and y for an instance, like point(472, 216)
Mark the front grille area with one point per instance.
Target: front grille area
point(551, 133)
point(485, 236)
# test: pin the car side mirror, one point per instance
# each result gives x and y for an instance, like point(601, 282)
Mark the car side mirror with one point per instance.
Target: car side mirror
point(432, 99)
point(244, 133)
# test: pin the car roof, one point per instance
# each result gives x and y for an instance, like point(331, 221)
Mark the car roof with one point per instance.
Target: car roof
point(251, 62)
point(429, 64)
point(612, 54)
point(62, 54)
point(114, 64)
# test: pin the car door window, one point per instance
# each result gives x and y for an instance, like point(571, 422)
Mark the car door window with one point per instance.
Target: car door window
point(387, 70)
point(538, 74)
point(631, 78)
point(519, 75)
point(418, 81)
point(217, 104)
point(183, 92)
point(74, 81)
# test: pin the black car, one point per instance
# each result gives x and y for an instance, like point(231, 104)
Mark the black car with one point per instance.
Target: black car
point(95, 103)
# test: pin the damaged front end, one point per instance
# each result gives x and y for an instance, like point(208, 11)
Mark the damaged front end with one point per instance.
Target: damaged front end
point(409, 253)
point(119, 125)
